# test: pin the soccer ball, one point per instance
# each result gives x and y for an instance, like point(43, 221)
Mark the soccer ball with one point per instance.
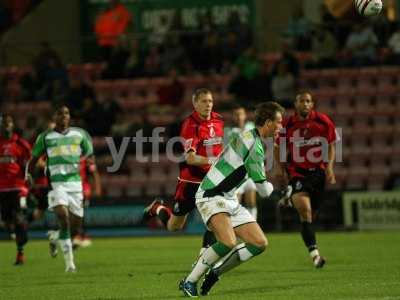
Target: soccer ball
point(368, 8)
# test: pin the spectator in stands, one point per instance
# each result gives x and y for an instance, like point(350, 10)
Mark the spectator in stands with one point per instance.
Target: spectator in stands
point(172, 92)
point(55, 80)
point(30, 85)
point(134, 63)
point(109, 26)
point(361, 44)
point(173, 55)
point(394, 46)
point(283, 86)
point(230, 48)
point(116, 65)
point(248, 64)
point(159, 33)
point(260, 86)
point(324, 49)
point(289, 59)
point(77, 93)
point(46, 56)
point(152, 63)
point(241, 30)
point(299, 29)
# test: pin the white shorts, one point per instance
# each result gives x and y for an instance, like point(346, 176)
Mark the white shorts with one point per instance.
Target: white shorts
point(248, 185)
point(218, 204)
point(72, 200)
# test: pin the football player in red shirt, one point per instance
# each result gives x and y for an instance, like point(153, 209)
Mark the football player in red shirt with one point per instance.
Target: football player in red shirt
point(88, 169)
point(41, 186)
point(15, 152)
point(310, 138)
point(202, 133)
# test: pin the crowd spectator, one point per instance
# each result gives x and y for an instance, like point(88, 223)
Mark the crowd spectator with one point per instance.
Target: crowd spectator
point(324, 49)
point(109, 26)
point(172, 92)
point(283, 85)
point(78, 92)
point(299, 29)
point(394, 46)
point(361, 44)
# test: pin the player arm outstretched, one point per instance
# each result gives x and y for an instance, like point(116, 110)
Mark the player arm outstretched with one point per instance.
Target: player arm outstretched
point(255, 168)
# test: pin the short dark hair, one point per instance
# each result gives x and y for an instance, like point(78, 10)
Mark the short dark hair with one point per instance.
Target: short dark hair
point(302, 93)
point(267, 111)
point(59, 106)
point(197, 93)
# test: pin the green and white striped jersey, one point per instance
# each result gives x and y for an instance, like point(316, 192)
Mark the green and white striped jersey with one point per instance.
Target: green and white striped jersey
point(244, 155)
point(63, 152)
point(230, 132)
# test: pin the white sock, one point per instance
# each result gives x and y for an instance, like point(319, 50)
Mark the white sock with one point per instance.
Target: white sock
point(202, 249)
point(253, 212)
point(314, 253)
point(205, 261)
point(66, 247)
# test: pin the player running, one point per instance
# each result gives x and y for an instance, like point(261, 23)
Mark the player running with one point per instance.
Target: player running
point(15, 152)
point(247, 191)
point(202, 133)
point(64, 146)
point(222, 213)
point(306, 134)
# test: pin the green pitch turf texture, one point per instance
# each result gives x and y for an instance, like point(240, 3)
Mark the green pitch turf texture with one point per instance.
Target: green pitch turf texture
point(360, 266)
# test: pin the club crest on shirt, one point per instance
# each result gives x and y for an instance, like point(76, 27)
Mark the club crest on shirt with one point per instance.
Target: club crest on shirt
point(212, 131)
point(220, 204)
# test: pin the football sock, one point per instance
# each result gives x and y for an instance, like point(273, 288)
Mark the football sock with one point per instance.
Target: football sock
point(66, 247)
point(21, 236)
point(308, 235)
point(241, 253)
point(163, 213)
point(207, 260)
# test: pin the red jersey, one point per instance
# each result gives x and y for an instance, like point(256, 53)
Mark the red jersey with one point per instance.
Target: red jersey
point(205, 137)
point(305, 139)
point(86, 168)
point(14, 154)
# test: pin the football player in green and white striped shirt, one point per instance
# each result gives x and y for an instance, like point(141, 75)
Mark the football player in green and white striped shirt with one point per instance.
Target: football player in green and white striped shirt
point(218, 205)
point(63, 147)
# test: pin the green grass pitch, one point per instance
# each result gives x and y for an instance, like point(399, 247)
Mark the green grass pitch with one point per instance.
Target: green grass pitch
point(360, 266)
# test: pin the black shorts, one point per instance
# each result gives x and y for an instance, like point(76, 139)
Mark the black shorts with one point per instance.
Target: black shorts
point(9, 206)
point(40, 195)
point(313, 183)
point(184, 199)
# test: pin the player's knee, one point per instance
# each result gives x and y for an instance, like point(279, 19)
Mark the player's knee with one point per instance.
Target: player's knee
point(229, 242)
point(261, 243)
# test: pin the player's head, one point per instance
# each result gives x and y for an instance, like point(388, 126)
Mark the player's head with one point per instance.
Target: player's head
point(304, 104)
point(239, 115)
point(62, 116)
point(268, 118)
point(6, 125)
point(203, 102)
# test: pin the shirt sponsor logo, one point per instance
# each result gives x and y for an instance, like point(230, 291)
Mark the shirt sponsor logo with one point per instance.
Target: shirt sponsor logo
point(315, 141)
point(7, 160)
point(213, 141)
